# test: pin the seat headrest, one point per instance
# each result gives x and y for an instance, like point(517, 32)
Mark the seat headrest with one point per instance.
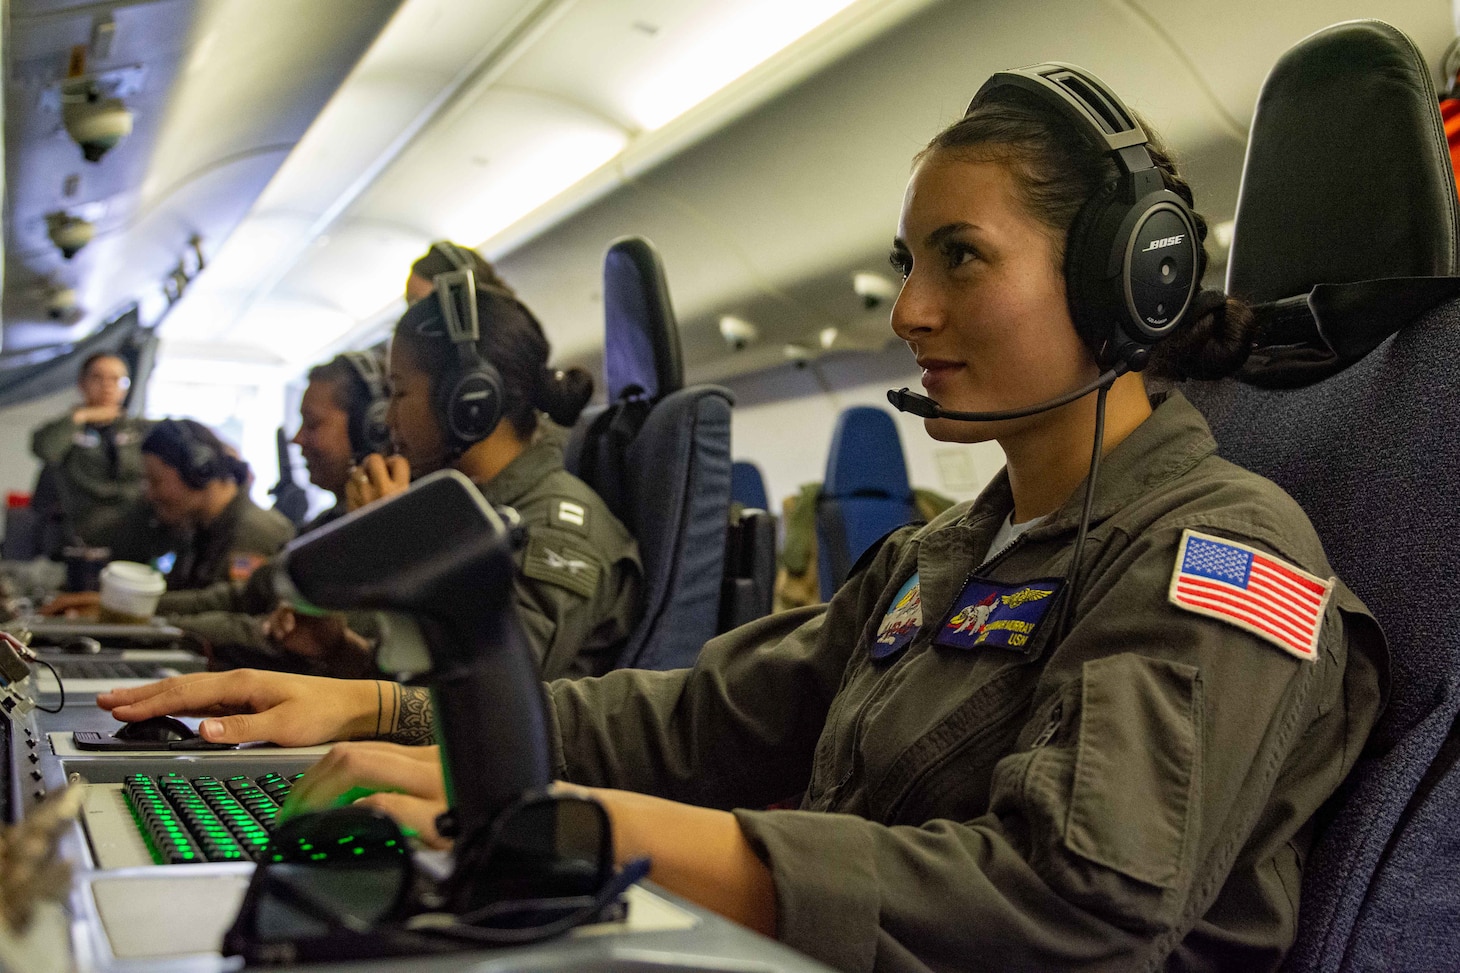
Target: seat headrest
point(641, 337)
point(1348, 174)
point(866, 456)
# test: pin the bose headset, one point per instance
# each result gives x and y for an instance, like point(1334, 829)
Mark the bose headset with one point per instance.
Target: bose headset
point(1132, 254)
point(368, 431)
point(469, 396)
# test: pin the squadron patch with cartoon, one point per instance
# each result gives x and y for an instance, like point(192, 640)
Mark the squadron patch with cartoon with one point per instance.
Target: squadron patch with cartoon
point(1252, 590)
point(901, 623)
point(1001, 616)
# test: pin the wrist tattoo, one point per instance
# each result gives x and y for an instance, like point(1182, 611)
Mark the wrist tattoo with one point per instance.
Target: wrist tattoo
point(412, 721)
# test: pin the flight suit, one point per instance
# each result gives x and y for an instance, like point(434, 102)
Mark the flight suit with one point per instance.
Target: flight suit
point(579, 584)
point(99, 469)
point(1137, 793)
point(226, 614)
point(240, 539)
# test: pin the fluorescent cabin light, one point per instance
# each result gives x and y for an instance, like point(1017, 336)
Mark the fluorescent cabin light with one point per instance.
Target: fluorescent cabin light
point(717, 50)
point(518, 187)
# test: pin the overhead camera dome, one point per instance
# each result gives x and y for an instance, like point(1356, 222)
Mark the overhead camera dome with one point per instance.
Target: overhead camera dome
point(69, 233)
point(96, 124)
point(62, 304)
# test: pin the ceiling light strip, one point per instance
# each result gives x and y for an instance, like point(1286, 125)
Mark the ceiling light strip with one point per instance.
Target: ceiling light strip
point(495, 58)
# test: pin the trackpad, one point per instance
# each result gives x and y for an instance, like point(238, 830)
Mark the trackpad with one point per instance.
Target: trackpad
point(167, 915)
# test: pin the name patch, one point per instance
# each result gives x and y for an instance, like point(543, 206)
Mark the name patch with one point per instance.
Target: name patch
point(901, 623)
point(1001, 616)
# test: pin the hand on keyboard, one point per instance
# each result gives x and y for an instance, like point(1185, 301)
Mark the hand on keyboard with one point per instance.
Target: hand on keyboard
point(246, 705)
point(403, 782)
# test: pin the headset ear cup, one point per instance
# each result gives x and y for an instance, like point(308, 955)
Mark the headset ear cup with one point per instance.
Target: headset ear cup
point(1112, 272)
point(1089, 248)
point(200, 465)
point(473, 406)
point(374, 432)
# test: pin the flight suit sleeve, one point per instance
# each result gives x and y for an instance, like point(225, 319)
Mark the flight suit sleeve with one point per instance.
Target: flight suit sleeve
point(222, 596)
point(739, 729)
point(574, 606)
point(223, 629)
point(52, 441)
point(1159, 747)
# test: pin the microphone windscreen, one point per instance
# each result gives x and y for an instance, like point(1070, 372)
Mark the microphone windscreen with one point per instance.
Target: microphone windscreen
point(919, 405)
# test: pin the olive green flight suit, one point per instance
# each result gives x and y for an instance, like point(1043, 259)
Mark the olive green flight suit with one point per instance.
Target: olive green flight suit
point(239, 540)
point(99, 472)
point(227, 614)
point(1138, 794)
point(579, 583)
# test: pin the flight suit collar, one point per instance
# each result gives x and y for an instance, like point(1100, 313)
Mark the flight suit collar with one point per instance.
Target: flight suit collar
point(1172, 440)
point(541, 458)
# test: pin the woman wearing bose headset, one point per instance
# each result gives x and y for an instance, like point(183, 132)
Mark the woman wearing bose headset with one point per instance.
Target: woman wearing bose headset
point(468, 377)
point(1058, 727)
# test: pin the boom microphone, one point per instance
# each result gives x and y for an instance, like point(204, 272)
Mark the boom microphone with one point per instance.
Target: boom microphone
point(920, 405)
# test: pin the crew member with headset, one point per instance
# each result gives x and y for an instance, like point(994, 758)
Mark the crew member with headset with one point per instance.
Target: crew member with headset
point(445, 257)
point(94, 452)
point(341, 420)
point(468, 376)
point(194, 482)
point(1085, 720)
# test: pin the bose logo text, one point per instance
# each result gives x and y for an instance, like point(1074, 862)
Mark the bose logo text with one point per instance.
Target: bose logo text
point(1165, 241)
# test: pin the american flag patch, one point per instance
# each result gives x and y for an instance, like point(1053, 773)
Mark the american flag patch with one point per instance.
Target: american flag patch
point(1252, 590)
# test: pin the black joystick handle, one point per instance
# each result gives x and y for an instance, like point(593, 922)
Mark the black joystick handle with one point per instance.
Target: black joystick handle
point(441, 553)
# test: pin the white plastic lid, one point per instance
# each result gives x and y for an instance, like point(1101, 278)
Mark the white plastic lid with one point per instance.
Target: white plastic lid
point(129, 575)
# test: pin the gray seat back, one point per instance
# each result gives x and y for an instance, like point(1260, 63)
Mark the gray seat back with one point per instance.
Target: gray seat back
point(1342, 207)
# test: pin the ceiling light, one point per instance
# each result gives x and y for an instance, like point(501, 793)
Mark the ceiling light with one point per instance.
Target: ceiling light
point(517, 187)
point(714, 50)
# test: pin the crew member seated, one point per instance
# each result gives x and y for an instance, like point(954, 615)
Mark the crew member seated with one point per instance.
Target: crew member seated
point(1083, 721)
point(579, 582)
point(94, 452)
point(443, 257)
point(193, 482)
point(342, 405)
point(195, 486)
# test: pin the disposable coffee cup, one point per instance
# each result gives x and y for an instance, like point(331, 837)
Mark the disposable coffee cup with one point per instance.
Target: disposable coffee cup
point(129, 592)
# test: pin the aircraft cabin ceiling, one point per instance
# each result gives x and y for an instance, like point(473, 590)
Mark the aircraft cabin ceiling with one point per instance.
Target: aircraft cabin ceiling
point(316, 148)
point(219, 92)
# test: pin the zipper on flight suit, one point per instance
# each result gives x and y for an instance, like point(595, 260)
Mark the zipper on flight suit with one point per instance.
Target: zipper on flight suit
point(1056, 717)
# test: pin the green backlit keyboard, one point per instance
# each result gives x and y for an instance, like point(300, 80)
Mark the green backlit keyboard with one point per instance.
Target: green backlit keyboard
point(206, 819)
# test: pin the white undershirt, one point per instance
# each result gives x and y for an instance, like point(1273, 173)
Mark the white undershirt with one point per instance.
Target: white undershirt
point(1008, 533)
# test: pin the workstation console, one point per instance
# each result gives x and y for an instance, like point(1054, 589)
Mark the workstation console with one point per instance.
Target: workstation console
point(165, 853)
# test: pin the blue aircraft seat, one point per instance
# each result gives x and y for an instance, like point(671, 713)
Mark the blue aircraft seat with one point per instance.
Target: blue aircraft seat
point(750, 550)
point(864, 495)
point(747, 486)
point(1346, 227)
point(659, 455)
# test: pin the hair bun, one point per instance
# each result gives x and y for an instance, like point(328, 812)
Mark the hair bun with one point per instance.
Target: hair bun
point(562, 393)
point(1217, 339)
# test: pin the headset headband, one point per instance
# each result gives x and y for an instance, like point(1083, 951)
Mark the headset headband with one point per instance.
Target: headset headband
point(367, 368)
point(456, 290)
point(1086, 101)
